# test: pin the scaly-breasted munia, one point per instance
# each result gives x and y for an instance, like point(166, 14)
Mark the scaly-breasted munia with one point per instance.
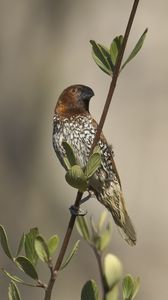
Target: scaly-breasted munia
point(74, 124)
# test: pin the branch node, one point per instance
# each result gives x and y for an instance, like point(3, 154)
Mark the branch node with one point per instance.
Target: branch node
point(76, 211)
point(54, 274)
point(41, 284)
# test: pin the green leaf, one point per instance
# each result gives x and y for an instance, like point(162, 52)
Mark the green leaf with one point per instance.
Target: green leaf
point(12, 277)
point(13, 292)
point(113, 294)
point(93, 164)
point(115, 48)
point(106, 53)
point(105, 238)
point(26, 265)
point(70, 160)
point(16, 278)
point(29, 245)
point(94, 227)
point(53, 244)
point(4, 242)
point(21, 244)
point(71, 254)
point(96, 239)
point(41, 248)
point(136, 49)
point(82, 227)
point(97, 149)
point(100, 65)
point(100, 57)
point(130, 287)
point(112, 269)
point(102, 219)
point(90, 291)
point(76, 178)
point(127, 286)
point(101, 239)
point(97, 242)
point(136, 286)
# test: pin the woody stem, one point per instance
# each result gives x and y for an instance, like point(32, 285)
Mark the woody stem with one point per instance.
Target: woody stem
point(68, 233)
point(104, 283)
point(115, 74)
point(63, 249)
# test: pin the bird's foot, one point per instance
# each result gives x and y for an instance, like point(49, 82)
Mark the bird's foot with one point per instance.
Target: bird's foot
point(77, 211)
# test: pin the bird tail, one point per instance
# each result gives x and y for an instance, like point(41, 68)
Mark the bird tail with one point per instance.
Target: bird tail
point(112, 198)
point(127, 231)
point(123, 220)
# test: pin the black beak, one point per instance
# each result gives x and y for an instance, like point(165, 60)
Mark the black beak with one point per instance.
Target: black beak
point(87, 93)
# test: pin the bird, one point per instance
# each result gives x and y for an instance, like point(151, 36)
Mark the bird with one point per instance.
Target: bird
point(73, 123)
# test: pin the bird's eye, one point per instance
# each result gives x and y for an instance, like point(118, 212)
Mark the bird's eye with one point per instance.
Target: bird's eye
point(73, 90)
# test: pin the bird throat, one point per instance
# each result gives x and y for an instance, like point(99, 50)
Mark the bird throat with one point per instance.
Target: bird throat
point(68, 108)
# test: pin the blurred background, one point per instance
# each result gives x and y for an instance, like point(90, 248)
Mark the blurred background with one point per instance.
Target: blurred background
point(45, 48)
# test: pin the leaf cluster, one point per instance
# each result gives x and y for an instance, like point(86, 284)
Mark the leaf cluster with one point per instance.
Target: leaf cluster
point(77, 176)
point(32, 247)
point(98, 236)
point(106, 58)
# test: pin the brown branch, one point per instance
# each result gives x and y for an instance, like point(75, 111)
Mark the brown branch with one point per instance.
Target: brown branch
point(104, 283)
point(63, 249)
point(55, 271)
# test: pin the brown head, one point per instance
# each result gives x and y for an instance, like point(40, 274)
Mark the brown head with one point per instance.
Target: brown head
point(74, 100)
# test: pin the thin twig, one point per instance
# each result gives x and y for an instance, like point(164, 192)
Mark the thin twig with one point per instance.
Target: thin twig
point(104, 283)
point(96, 139)
point(63, 249)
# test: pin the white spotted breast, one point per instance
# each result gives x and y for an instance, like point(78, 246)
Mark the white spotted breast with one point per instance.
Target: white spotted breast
point(79, 132)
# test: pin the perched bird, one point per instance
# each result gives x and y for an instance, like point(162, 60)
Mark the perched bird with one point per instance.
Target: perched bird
point(74, 124)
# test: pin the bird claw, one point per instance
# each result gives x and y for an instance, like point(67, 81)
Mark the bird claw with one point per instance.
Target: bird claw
point(77, 211)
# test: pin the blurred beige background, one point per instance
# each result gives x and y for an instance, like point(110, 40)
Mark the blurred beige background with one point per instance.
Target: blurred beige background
point(44, 48)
